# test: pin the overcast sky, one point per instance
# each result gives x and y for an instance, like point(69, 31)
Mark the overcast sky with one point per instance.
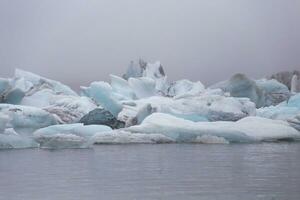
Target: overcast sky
point(79, 41)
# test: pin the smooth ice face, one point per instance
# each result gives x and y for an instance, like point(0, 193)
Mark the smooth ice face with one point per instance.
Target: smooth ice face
point(26, 119)
point(121, 88)
point(68, 135)
point(143, 87)
point(102, 94)
point(182, 130)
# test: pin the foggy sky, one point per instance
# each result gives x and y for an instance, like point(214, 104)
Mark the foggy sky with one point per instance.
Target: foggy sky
point(79, 41)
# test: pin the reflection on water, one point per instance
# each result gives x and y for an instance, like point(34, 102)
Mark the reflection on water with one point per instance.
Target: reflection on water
point(168, 171)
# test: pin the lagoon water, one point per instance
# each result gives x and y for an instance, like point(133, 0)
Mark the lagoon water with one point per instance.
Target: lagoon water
point(267, 171)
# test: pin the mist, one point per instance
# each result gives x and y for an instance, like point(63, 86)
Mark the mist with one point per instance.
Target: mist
point(77, 41)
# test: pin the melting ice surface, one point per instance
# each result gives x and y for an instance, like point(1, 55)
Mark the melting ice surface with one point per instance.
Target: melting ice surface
point(143, 106)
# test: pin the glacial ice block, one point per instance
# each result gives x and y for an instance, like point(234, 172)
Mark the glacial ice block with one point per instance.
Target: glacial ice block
point(36, 82)
point(185, 88)
point(243, 130)
point(102, 94)
point(68, 135)
point(262, 92)
point(198, 108)
point(70, 109)
point(26, 119)
point(9, 139)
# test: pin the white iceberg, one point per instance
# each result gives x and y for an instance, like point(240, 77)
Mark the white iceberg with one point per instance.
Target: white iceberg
point(243, 130)
point(68, 135)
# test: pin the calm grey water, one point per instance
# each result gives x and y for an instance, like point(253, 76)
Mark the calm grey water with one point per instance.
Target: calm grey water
point(168, 171)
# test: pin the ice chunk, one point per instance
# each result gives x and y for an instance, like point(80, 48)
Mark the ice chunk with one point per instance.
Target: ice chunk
point(121, 88)
point(274, 92)
point(295, 84)
point(143, 87)
point(70, 109)
point(243, 130)
point(285, 77)
point(185, 88)
point(295, 121)
point(102, 94)
point(34, 82)
point(26, 119)
point(68, 135)
point(210, 139)
point(241, 86)
point(123, 137)
point(102, 117)
point(198, 108)
point(284, 111)
point(135, 70)
point(12, 140)
point(262, 92)
point(153, 71)
point(133, 115)
point(4, 85)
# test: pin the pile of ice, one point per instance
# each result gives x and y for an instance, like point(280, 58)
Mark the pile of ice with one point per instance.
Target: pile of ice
point(143, 106)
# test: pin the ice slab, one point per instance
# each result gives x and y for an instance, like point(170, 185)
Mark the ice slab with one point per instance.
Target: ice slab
point(68, 135)
point(243, 130)
point(123, 137)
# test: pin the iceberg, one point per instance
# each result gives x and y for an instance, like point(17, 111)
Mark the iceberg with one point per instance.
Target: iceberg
point(262, 92)
point(68, 135)
point(26, 119)
point(285, 77)
point(243, 130)
point(198, 108)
